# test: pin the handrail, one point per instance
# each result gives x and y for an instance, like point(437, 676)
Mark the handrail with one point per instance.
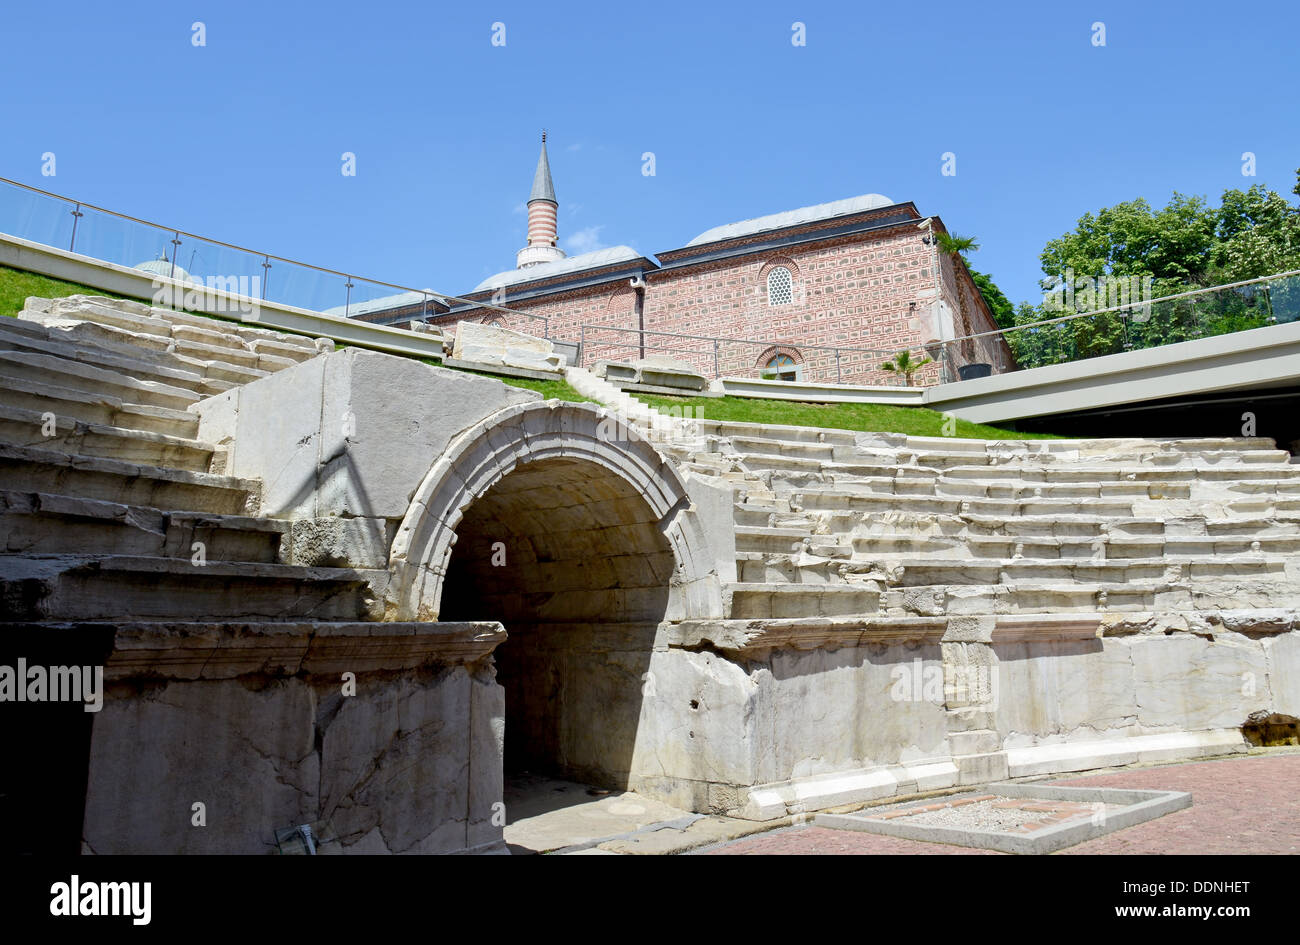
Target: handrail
point(746, 341)
point(427, 293)
point(1129, 306)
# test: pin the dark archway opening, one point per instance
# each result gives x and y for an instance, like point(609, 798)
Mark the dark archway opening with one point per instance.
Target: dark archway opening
point(569, 557)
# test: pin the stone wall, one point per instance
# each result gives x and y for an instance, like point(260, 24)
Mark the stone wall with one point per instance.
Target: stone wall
point(212, 738)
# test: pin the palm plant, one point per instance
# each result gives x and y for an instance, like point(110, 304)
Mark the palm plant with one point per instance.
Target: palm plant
point(955, 245)
point(904, 365)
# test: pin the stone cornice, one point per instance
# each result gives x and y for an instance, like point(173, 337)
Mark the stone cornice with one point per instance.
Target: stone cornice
point(229, 650)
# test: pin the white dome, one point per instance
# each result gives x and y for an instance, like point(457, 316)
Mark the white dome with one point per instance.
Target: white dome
point(593, 260)
point(162, 267)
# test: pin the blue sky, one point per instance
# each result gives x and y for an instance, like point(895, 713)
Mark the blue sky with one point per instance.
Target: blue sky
point(242, 139)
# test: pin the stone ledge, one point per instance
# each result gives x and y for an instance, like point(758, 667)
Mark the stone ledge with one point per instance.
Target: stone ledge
point(1104, 753)
point(803, 633)
point(819, 393)
point(802, 795)
point(636, 388)
point(187, 651)
point(509, 370)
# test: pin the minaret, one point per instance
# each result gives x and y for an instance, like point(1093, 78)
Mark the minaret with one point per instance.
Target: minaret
point(542, 206)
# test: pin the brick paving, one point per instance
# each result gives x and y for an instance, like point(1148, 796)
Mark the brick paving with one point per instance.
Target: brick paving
point(1239, 805)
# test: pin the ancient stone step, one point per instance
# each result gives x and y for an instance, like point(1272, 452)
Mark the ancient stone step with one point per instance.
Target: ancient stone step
point(760, 446)
point(800, 600)
point(132, 316)
point(275, 347)
point(214, 336)
point(138, 363)
point(767, 538)
point(1187, 472)
point(100, 334)
point(45, 523)
point(249, 333)
point(766, 431)
point(95, 408)
point(1269, 506)
point(22, 427)
point(1017, 489)
point(843, 496)
point(75, 375)
point(1037, 598)
point(29, 469)
point(1112, 546)
point(755, 567)
point(124, 587)
point(919, 572)
point(222, 362)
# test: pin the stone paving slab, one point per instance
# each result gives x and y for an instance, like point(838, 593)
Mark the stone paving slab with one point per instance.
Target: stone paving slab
point(547, 815)
point(1244, 805)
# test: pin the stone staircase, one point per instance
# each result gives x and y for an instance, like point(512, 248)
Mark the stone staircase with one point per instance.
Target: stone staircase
point(110, 508)
point(835, 523)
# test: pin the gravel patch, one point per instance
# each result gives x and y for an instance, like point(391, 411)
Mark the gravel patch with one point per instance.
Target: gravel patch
point(977, 815)
point(981, 815)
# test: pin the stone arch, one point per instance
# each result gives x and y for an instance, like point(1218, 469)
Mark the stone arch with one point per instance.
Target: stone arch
point(602, 546)
point(622, 299)
point(772, 262)
point(789, 351)
point(482, 456)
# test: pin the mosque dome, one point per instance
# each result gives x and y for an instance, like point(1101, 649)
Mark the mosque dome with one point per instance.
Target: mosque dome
point(163, 267)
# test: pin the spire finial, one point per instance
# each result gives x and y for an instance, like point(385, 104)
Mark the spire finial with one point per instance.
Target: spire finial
point(543, 189)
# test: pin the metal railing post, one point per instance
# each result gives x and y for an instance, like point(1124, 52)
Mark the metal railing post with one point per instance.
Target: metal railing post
point(837, 365)
point(266, 274)
point(76, 216)
point(176, 248)
point(347, 305)
point(716, 370)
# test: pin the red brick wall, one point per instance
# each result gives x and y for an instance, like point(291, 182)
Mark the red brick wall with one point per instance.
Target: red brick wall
point(852, 292)
point(611, 305)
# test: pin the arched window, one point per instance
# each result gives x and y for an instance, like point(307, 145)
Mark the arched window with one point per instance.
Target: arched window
point(780, 367)
point(780, 287)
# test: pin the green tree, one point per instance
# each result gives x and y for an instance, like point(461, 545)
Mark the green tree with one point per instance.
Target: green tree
point(1182, 246)
point(1004, 313)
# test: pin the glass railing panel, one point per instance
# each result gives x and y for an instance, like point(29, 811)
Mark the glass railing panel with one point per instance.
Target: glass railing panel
point(37, 217)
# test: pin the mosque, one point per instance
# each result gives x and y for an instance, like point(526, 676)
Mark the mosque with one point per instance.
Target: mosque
point(818, 293)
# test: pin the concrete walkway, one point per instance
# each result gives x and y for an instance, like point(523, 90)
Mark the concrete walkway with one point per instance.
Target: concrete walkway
point(552, 816)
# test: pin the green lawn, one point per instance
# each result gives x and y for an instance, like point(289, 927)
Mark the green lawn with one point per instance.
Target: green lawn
point(875, 418)
point(551, 390)
point(16, 286)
